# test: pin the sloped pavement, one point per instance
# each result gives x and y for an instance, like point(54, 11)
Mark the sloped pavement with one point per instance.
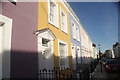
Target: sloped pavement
point(101, 74)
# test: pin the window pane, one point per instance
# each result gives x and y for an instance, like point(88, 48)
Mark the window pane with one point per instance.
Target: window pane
point(62, 52)
point(74, 30)
point(52, 11)
point(45, 42)
point(62, 62)
point(62, 20)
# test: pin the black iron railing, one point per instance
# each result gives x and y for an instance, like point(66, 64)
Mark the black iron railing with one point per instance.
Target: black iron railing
point(59, 73)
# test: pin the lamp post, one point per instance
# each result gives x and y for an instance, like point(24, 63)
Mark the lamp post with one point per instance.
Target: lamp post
point(100, 58)
point(99, 48)
point(99, 51)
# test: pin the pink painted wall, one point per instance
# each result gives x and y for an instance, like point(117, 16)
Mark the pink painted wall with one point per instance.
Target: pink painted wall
point(24, 57)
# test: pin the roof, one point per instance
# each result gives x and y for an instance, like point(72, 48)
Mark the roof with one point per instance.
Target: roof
point(44, 30)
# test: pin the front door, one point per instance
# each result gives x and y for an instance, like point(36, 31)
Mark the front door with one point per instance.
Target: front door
point(78, 57)
point(73, 57)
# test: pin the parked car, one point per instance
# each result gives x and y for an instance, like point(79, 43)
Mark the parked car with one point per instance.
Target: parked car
point(112, 66)
point(104, 61)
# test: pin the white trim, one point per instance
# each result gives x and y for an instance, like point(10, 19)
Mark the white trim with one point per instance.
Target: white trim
point(1, 50)
point(10, 1)
point(6, 45)
point(73, 51)
point(66, 5)
point(66, 23)
point(13, 0)
point(45, 53)
point(38, 32)
point(69, 11)
point(63, 42)
point(78, 34)
point(73, 28)
point(72, 45)
point(79, 54)
point(56, 24)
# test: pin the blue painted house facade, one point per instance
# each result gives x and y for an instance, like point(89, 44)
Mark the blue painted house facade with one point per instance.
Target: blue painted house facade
point(75, 42)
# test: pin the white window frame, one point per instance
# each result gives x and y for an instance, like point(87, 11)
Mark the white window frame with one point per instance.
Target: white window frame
point(56, 21)
point(41, 49)
point(74, 55)
point(65, 29)
point(73, 29)
point(79, 55)
point(67, 60)
point(9, 0)
point(13, 0)
point(78, 33)
point(73, 49)
point(45, 44)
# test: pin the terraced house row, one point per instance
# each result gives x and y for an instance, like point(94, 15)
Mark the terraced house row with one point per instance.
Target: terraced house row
point(41, 35)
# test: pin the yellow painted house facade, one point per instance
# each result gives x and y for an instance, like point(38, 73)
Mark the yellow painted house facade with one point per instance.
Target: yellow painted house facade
point(53, 22)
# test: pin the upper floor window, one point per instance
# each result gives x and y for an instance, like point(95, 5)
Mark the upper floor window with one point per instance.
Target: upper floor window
point(78, 33)
point(75, 31)
point(53, 13)
point(64, 26)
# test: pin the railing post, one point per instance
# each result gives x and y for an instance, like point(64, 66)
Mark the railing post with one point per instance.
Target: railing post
point(40, 74)
point(43, 74)
point(63, 76)
point(52, 74)
point(49, 74)
point(79, 74)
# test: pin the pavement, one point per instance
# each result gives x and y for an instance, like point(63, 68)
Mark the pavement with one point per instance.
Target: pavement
point(101, 74)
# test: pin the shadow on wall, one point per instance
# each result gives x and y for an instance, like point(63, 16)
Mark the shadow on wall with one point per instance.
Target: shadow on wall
point(24, 64)
point(85, 61)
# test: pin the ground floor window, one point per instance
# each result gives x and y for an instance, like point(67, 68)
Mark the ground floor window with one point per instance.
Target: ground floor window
point(63, 54)
point(45, 42)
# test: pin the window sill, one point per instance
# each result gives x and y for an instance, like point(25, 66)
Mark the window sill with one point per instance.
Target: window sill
point(56, 26)
point(76, 39)
point(66, 32)
point(44, 45)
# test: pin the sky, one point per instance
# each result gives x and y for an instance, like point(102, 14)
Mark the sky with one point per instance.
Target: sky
point(100, 19)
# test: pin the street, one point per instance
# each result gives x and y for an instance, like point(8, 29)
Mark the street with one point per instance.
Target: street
point(98, 74)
